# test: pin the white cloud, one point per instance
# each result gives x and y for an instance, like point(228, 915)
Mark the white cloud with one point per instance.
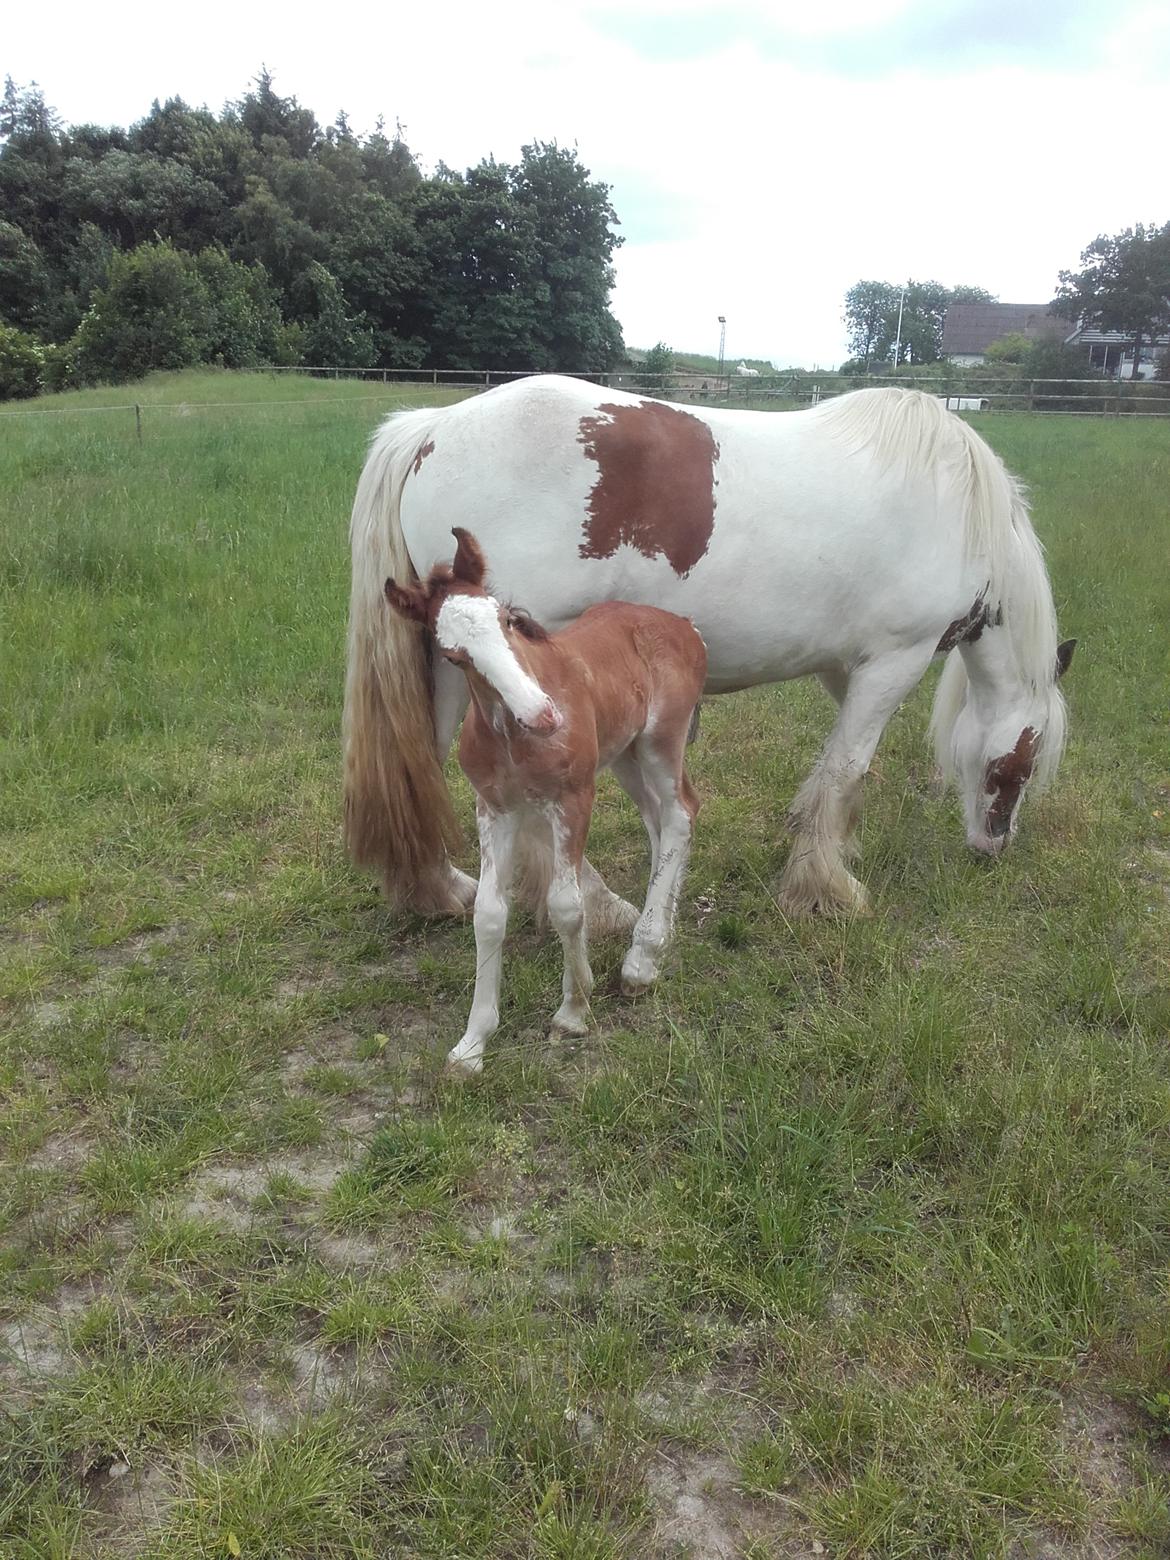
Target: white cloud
point(759, 188)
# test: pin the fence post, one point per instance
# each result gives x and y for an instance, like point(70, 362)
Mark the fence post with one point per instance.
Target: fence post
point(1120, 382)
point(138, 420)
point(1031, 395)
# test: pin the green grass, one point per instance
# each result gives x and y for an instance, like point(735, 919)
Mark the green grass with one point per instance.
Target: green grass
point(854, 1234)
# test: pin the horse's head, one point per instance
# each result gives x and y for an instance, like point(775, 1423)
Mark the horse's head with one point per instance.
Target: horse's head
point(998, 752)
point(472, 630)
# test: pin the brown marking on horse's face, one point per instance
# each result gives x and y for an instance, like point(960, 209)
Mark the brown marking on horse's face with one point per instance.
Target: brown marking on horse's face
point(655, 488)
point(424, 450)
point(1005, 779)
point(967, 629)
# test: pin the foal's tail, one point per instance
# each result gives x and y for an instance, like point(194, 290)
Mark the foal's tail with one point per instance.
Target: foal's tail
point(398, 814)
point(999, 533)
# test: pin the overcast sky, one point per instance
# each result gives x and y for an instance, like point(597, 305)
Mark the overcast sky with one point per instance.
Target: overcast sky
point(763, 156)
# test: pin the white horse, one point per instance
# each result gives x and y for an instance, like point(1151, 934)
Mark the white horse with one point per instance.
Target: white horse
point(748, 373)
point(853, 541)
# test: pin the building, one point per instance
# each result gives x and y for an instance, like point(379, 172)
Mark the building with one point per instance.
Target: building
point(970, 328)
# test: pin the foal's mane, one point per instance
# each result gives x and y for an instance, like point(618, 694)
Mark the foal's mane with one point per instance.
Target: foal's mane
point(526, 625)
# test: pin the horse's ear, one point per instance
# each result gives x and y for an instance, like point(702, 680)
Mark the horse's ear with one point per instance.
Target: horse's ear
point(1064, 655)
point(469, 565)
point(409, 600)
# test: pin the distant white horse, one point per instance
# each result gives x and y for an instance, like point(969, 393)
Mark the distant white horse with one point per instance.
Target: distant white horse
point(853, 541)
point(748, 373)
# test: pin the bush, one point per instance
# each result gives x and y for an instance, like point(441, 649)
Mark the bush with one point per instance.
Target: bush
point(162, 308)
point(61, 371)
point(21, 362)
point(656, 372)
point(1012, 348)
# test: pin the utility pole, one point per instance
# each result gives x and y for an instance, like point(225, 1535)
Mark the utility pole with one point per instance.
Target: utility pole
point(722, 340)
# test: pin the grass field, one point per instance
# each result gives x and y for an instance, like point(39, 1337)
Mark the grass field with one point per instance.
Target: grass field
point(853, 1239)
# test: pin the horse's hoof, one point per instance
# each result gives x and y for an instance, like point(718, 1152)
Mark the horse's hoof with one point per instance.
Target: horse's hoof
point(460, 1068)
point(637, 978)
point(567, 1025)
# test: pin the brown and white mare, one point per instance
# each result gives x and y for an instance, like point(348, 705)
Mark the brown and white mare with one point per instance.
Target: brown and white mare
point(618, 688)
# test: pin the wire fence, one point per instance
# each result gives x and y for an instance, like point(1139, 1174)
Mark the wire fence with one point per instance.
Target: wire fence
point(962, 391)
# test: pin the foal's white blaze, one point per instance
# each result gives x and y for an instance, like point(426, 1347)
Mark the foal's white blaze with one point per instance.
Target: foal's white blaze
point(472, 624)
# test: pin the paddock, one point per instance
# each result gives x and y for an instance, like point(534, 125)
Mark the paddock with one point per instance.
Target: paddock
point(851, 1234)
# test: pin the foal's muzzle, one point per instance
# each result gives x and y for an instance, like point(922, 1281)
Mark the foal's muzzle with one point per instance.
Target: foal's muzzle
point(546, 721)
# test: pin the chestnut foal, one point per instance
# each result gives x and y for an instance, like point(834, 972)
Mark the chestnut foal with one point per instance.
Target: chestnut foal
point(619, 687)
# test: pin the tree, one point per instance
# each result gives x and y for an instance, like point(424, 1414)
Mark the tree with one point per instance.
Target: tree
point(333, 338)
point(21, 363)
point(165, 309)
point(1123, 285)
point(657, 368)
point(868, 308)
point(872, 310)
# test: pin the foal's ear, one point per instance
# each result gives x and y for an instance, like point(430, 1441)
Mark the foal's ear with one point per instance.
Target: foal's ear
point(1064, 655)
point(409, 600)
point(469, 565)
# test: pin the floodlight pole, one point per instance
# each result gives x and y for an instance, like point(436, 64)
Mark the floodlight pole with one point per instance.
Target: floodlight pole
point(898, 342)
point(722, 340)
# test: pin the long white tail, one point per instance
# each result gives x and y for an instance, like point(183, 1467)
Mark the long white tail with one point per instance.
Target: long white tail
point(398, 814)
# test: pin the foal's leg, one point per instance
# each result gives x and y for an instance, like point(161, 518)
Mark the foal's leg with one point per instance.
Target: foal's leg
point(827, 806)
point(566, 909)
point(658, 779)
point(454, 889)
point(497, 842)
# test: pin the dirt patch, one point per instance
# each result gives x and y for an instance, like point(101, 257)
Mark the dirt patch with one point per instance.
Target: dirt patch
point(353, 1251)
point(694, 1493)
point(31, 1347)
point(64, 1151)
point(132, 1501)
point(226, 1192)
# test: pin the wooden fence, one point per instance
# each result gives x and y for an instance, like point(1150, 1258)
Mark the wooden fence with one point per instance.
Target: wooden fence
point(1074, 397)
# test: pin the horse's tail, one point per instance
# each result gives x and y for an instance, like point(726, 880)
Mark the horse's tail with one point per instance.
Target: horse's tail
point(398, 813)
point(999, 533)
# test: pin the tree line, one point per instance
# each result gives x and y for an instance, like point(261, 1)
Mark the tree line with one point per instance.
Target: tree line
point(1123, 285)
point(258, 236)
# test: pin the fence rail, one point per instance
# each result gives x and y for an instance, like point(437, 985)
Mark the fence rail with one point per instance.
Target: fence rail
point(1091, 397)
point(1068, 397)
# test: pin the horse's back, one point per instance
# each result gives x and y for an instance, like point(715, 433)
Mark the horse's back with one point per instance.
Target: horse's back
point(794, 540)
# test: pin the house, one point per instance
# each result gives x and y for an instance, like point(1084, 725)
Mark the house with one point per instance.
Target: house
point(1111, 352)
point(970, 328)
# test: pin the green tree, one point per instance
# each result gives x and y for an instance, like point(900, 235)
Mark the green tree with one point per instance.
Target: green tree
point(868, 308)
point(333, 337)
point(162, 308)
point(872, 315)
point(1123, 285)
point(573, 222)
point(21, 364)
point(657, 369)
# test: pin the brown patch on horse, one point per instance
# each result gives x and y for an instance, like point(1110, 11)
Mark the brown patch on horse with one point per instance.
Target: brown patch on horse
point(967, 629)
point(655, 488)
point(424, 450)
point(1006, 777)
